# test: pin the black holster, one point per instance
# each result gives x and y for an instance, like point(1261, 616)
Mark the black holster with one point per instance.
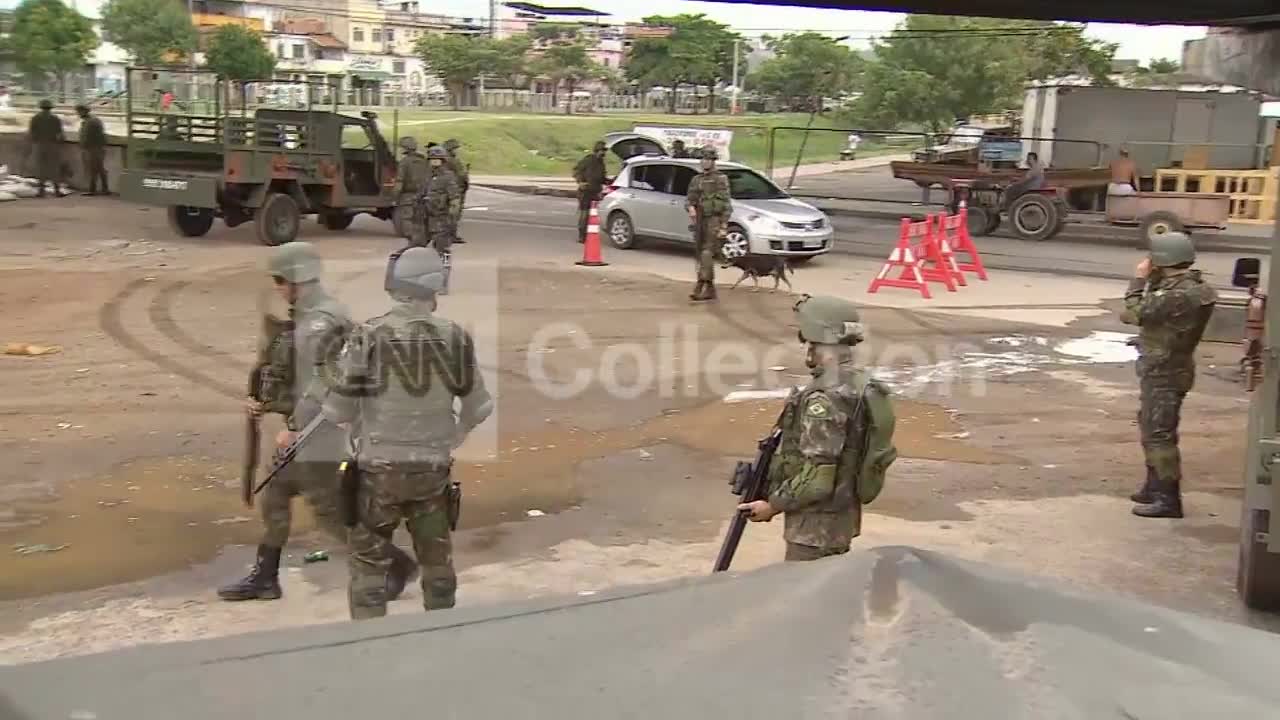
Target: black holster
point(454, 493)
point(349, 492)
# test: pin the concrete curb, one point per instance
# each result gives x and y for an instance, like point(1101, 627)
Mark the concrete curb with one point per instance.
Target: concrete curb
point(531, 189)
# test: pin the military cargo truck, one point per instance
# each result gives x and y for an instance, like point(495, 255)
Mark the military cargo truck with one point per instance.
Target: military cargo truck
point(268, 165)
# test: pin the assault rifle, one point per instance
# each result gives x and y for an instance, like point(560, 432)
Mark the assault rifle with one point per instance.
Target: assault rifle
point(750, 482)
point(271, 330)
point(286, 455)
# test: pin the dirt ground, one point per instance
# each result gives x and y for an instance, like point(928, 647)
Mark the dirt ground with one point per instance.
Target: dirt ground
point(119, 512)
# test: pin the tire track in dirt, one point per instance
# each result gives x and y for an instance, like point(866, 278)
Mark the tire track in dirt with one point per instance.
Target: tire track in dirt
point(109, 319)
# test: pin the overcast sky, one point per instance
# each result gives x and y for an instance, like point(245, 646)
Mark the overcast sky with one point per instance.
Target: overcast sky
point(1139, 42)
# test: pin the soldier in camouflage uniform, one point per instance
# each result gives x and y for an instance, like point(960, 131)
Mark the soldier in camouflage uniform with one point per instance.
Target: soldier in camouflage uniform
point(589, 173)
point(1171, 305)
point(46, 136)
point(463, 174)
point(294, 384)
point(837, 439)
point(411, 178)
point(437, 204)
point(709, 205)
point(407, 431)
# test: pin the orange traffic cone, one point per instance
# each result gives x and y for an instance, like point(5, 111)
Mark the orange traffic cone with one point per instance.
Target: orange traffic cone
point(591, 248)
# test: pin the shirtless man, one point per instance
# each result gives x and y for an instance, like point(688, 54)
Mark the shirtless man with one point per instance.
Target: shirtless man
point(1124, 175)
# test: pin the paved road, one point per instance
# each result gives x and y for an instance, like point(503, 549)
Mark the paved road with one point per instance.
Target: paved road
point(870, 238)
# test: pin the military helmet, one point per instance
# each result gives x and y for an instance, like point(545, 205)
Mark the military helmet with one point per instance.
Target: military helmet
point(46, 104)
point(1173, 248)
point(709, 152)
point(438, 152)
point(295, 262)
point(828, 320)
point(451, 144)
point(82, 108)
point(599, 146)
point(415, 271)
point(408, 144)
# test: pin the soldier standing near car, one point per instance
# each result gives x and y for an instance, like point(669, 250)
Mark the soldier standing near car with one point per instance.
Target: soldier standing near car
point(1171, 305)
point(463, 175)
point(589, 173)
point(709, 205)
point(295, 383)
point(46, 136)
point(407, 430)
point(93, 148)
point(411, 177)
point(678, 150)
point(837, 438)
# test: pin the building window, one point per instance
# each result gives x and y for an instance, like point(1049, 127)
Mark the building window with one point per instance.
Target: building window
point(377, 35)
point(391, 35)
point(299, 51)
point(397, 67)
point(606, 62)
point(357, 35)
point(280, 50)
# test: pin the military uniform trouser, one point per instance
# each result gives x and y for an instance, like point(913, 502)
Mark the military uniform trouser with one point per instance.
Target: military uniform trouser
point(1159, 413)
point(707, 244)
point(48, 161)
point(95, 168)
point(420, 501)
point(318, 482)
point(802, 553)
point(585, 198)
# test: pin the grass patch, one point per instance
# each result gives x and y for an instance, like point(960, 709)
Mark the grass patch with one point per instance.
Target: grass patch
point(518, 144)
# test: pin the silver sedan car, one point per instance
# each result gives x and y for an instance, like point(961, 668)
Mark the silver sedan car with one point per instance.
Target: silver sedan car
point(646, 200)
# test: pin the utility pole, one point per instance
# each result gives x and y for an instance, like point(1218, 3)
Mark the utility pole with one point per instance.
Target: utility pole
point(733, 102)
point(493, 18)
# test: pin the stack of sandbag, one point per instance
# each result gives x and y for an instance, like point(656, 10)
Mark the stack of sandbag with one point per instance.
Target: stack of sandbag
point(13, 187)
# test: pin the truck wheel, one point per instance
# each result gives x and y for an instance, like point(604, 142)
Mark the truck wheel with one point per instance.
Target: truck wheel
point(1033, 217)
point(979, 220)
point(337, 220)
point(277, 221)
point(1160, 222)
point(1063, 211)
point(1258, 572)
point(190, 221)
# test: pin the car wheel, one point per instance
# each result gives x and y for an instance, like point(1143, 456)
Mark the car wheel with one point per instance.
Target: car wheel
point(1033, 217)
point(736, 244)
point(978, 220)
point(622, 234)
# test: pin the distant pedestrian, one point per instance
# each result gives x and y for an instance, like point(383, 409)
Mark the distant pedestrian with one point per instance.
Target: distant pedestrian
point(709, 205)
point(590, 176)
point(93, 149)
point(463, 175)
point(1124, 175)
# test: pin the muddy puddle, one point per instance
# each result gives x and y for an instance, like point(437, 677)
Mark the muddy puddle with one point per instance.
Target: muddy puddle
point(149, 517)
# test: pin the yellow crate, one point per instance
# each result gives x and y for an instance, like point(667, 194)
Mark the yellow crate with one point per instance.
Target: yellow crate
point(1253, 192)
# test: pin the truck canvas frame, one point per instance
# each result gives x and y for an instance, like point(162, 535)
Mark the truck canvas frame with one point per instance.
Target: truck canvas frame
point(268, 165)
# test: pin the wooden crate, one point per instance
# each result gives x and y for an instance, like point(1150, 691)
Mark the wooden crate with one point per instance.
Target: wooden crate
point(1252, 192)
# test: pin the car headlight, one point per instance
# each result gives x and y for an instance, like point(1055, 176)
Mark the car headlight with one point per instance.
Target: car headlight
point(763, 223)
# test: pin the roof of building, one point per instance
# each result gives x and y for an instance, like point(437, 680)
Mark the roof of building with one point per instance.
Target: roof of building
point(554, 10)
point(325, 40)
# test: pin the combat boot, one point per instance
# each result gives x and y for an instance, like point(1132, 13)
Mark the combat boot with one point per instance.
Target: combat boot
point(1166, 504)
point(404, 570)
point(1146, 495)
point(697, 291)
point(262, 582)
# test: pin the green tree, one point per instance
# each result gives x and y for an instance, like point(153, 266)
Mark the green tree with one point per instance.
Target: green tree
point(807, 67)
point(932, 69)
point(568, 63)
point(236, 52)
point(1165, 66)
point(458, 60)
point(49, 37)
point(148, 29)
point(699, 50)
